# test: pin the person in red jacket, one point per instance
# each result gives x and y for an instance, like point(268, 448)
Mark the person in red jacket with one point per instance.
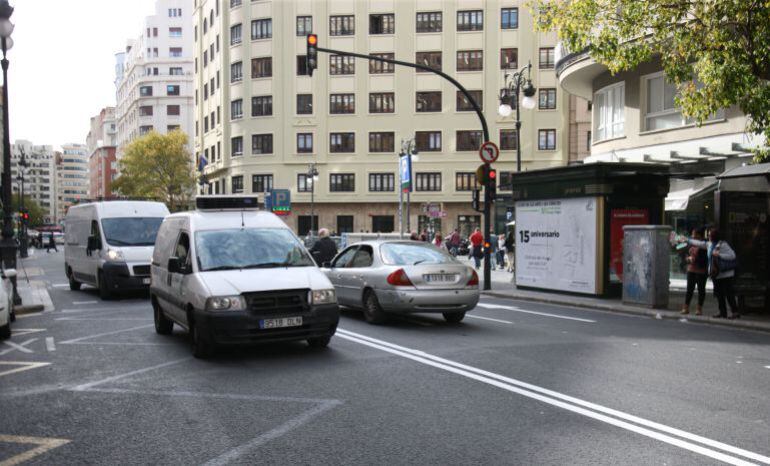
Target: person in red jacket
point(477, 241)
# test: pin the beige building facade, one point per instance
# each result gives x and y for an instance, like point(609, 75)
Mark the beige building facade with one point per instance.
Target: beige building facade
point(39, 175)
point(260, 121)
point(72, 180)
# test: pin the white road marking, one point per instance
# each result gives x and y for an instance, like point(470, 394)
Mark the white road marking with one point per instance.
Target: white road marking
point(74, 340)
point(49, 344)
point(118, 343)
point(43, 445)
point(60, 285)
point(24, 331)
point(488, 318)
point(767, 367)
point(143, 319)
point(89, 385)
point(18, 347)
point(545, 314)
point(78, 303)
point(576, 405)
point(24, 366)
point(124, 308)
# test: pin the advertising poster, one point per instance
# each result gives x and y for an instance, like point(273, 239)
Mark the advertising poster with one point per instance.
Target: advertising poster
point(556, 244)
point(619, 218)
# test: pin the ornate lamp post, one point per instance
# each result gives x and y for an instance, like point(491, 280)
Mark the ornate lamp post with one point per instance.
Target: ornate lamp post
point(408, 150)
point(23, 252)
point(515, 84)
point(7, 244)
point(312, 174)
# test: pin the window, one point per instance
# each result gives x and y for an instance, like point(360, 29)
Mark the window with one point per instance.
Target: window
point(175, 51)
point(174, 12)
point(145, 110)
point(236, 144)
point(546, 99)
point(508, 139)
point(170, 128)
point(304, 183)
point(382, 182)
point(428, 141)
point(472, 20)
point(261, 183)
point(661, 111)
point(206, 124)
point(588, 140)
point(382, 102)
point(218, 114)
point(236, 72)
point(468, 140)
point(304, 104)
point(236, 109)
point(509, 18)
point(175, 32)
point(262, 105)
point(342, 103)
point(173, 110)
point(172, 89)
point(261, 29)
point(175, 71)
point(429, 21)
point(464, 105)
point(379, 67)
point(546, 58)
point(237, 184)
point(546, 139)
point(145, 129)
point(145, 91)
point(342, 182)
point(304, 143)
point(304, 25)
point(382, 24)
point(344, 224)
point(466, 181)
point(342, 142)
point(430, 59)
point(470, 60)
point(428, 182)
point(262, 67)
point(382, 142)
point(609, 112)
point(261, 144)
point(428, 101)
point(382, 223)
point(235, 3)
point(509, 59)
point(235, 34)
point(339, 64)
point(342, 25)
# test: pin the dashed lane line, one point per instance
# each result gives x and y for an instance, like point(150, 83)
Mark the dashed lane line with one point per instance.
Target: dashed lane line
point(49, 344)
point(489, 319)
point(21, 366)
point(75, 340)
point(544, 314)
point(78, 303)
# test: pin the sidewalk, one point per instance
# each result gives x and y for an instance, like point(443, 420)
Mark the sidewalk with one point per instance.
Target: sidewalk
point(34, 293)
point(503, 287)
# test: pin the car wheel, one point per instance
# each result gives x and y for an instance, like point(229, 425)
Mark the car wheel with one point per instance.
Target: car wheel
point(319, 342)
point(104, 291)
point(454, 317)
point(5, 331)
point(373, 312)
point(163, 325)
point(202, 348)
point(74, 284)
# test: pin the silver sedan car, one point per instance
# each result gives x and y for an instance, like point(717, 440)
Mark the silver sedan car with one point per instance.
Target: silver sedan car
point(402, 277)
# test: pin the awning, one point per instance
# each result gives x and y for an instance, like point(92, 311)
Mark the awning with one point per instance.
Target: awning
point(677, 201)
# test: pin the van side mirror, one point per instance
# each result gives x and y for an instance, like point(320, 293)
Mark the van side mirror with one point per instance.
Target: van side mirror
point(174, 266)
point(326, 265)
point(94, 243)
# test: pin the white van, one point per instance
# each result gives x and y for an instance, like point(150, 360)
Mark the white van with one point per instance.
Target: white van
point(109, 244)
point(231, 274)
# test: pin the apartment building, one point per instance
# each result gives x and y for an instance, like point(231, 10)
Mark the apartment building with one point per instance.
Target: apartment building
point(72, 182)
point(100, 145)
point(154, 75)
point(260, 121)
point(38, 174)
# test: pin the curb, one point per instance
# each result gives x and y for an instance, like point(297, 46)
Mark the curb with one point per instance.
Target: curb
point(30, 309)
point(665, 314)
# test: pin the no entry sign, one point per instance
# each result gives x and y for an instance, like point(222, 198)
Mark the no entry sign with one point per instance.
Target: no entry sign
point(489, 152)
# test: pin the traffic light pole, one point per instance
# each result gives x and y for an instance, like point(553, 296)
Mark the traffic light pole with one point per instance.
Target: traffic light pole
point(484, 128)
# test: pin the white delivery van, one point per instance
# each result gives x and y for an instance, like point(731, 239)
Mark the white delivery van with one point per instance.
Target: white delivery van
point(109, 244)
point(231, 274)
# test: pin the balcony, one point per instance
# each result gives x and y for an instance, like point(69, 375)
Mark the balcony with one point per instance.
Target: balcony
point(576, 71)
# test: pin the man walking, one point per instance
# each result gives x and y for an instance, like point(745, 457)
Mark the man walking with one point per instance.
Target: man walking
point(324, 249)
point(477, 241)
point(453, 242)
point(51, 244)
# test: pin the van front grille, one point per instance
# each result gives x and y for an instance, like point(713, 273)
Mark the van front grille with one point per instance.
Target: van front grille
point(278, 302)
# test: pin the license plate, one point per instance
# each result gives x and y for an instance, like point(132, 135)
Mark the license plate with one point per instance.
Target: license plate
point(280, 323)
point(146, 281)
point(438, 278)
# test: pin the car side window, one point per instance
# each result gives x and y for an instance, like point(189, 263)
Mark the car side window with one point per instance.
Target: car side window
point(363, 257)
point(345, 258)
point(182, 249)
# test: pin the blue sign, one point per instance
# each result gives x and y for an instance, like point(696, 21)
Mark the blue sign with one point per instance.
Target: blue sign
point(405, 172)
point(278, 201)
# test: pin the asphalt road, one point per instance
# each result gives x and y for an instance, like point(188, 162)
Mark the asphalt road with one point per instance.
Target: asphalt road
point(515, 383)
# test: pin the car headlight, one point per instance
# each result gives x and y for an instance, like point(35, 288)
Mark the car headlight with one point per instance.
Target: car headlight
point(114, 255)
point(226, 303)
point(323, 297)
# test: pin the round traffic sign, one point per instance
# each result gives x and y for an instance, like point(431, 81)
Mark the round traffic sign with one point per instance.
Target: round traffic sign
point(489, 152)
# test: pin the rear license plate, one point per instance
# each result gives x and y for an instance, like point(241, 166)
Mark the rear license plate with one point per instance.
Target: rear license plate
point(146, 281)
point(439, 278)
point(280, 323)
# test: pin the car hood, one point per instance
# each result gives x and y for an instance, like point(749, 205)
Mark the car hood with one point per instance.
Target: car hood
point(141, 254)
point(234, 282)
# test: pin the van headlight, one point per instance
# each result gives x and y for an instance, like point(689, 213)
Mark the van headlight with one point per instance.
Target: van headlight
point(114, 255)
point(323, 297)
point(226, 303)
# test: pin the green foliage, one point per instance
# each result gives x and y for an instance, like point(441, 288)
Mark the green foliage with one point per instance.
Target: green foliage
point(724, 44)
point(158, 166)
point(36, 213)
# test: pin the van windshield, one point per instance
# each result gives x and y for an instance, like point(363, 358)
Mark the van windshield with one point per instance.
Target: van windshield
point(249, 248)
point(131, 231)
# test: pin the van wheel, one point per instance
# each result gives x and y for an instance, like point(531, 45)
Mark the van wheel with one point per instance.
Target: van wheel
point(163, 325)
point(74, 284)
point(373, 312)
point(5, 331)
point(454, 317)
point(104, 291)
point(319, 342)
point(202, 347)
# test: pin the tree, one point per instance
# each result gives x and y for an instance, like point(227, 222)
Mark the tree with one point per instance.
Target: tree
point(722, 45)
point(157, 166)
point(36, 213)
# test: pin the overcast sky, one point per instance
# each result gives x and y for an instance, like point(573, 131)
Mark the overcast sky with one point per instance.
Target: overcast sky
point(62, 65)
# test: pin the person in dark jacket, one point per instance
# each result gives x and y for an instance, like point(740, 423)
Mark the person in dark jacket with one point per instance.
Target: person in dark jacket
point(324, 249)
point(721, 268)
point(697, 268)
point(51, 244)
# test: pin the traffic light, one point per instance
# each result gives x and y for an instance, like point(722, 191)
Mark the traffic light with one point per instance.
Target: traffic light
point(312, 53)
point(475, 202)
point(481, 175)
point(492, 183)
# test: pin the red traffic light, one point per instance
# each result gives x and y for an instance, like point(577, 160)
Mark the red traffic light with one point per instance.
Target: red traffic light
point(492, 174)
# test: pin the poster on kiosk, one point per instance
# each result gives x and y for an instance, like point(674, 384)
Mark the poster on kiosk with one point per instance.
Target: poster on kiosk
point(556, 244)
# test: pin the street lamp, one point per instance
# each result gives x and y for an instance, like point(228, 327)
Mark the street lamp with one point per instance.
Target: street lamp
point(407, 155)
point(515, 84)
point(7, 244)
point(312, 174)
point(23, 252)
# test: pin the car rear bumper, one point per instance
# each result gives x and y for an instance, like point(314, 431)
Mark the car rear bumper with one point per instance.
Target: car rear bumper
point(413, 300)
point(242, 327)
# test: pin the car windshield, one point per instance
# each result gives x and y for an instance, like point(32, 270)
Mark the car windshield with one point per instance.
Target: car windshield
point(245, 248)
point(131, 231)
point(413, 254)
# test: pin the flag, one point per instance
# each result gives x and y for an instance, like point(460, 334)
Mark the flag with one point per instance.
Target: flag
point(202, 162)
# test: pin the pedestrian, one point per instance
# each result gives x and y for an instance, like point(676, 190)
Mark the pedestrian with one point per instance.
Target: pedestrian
point(477, 240)
point(453, 242)
point(40, 240)
point(492, 245)
point(51, 244)
point(324, 249)
point(697, 268)
point(414, 236)
point(510, 250)
point(438, 240)
point(721, 263)
point(501, 251)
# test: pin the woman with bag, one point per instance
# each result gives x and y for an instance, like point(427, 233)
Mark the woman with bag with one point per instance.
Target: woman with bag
point(697, 267)
point(721, 268)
